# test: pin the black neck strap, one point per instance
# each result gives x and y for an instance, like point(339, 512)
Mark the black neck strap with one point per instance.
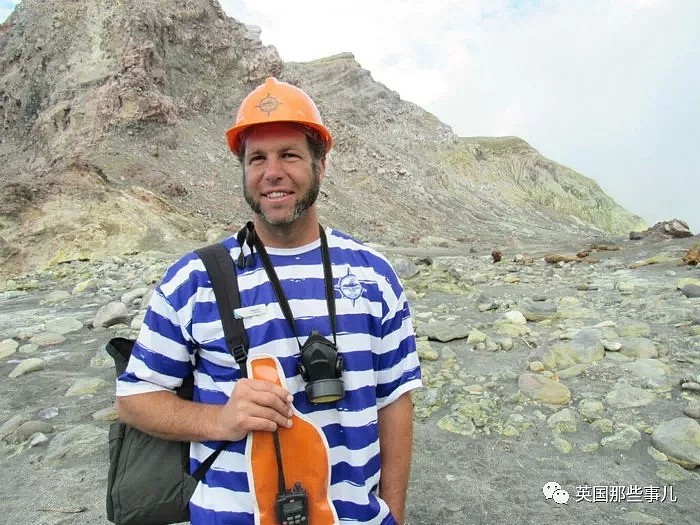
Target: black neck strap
point(247, 235)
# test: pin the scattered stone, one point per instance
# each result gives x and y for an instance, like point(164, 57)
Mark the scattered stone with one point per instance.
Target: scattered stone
point(57, 296)
point(639, 347)
point(134, 296)
point(652, 369)
point(27, 366)
point(443, 330)
point(86, 386)
point(28, 349)
point(88, 286)
point(111, 314)
point(38, 439)
point(538, 311)
point(476, 337)
point(426, 351)
point(555, 258)
point(679, 439)
point(543, 389)
point(622, 440)
point(691, 386)
point(634, 329)
point(26, 430)
point(10, 425)
point(8, 347)
point(604, 426)
point(47, 339)
point(625, 396)
point(562, 445)
point(591, 409)
point(79, 441)
point(672, 472)
point(563, 421)
point(64, 325)
point(691, 291)
point(404, 268)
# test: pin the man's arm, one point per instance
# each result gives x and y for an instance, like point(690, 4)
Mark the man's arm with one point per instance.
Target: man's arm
point(396, 446)
point(253, 405)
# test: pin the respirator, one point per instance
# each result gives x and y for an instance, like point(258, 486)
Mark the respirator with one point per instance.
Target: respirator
point(321, 367)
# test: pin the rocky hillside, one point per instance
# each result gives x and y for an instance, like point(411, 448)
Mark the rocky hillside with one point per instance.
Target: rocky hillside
point(113, 117)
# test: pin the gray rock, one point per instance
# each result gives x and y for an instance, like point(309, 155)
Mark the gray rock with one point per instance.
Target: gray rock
point(27, 366)
point(639, 347)
point(622, 440)
point(443, 330)
point(543, 389)
point(679, 439)
point(691, 291)
point(111, 314)
point(626, 396)
point(634, 329)
point(11, 425)
point(47, 339)
point(8, 347)
point(563, 421)
point(64, 325)
point(405, 269)
point(57, 296)
point(652, 369)
point(26, 430)
point(538, 311)
point(134, 295)
point(85, 386)
point(78, 441)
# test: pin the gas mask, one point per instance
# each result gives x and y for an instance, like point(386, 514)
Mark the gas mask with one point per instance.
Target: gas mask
point(321, 367)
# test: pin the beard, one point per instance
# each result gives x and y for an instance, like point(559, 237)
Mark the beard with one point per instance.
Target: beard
point(303, 204)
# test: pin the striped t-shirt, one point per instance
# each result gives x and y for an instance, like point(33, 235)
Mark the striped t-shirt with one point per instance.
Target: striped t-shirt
point(374, 334)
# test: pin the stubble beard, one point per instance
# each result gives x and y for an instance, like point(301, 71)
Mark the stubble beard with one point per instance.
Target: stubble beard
point(302, 206)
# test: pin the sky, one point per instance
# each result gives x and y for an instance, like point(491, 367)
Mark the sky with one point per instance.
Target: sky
point(609, 88)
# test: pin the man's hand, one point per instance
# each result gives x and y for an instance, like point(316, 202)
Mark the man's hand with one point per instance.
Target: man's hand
point(255, 405)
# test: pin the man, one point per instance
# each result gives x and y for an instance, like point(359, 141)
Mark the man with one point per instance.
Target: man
point(366, 428)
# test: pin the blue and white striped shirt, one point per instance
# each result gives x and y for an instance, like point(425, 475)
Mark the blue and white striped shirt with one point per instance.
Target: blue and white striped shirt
point(375, 337)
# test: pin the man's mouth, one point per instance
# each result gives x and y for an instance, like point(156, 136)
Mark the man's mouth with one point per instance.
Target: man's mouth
point(273, 195)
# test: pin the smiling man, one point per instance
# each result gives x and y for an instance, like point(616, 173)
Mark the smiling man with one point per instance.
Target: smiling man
point(320, 430)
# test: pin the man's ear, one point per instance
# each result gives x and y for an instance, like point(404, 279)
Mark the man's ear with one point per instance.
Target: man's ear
point(322, 169)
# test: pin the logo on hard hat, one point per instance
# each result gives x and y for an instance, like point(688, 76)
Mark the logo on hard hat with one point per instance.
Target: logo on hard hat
point(268, 104)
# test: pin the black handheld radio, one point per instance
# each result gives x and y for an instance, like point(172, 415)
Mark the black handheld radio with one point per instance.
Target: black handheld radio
point(292, 506)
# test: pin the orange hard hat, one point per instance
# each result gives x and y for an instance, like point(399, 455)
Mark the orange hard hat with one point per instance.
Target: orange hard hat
point(276, 101)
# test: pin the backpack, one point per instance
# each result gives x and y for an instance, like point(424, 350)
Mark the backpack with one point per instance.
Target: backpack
point(148, 481)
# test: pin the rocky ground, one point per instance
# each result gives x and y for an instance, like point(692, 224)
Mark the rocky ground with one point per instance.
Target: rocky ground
point(584, 373)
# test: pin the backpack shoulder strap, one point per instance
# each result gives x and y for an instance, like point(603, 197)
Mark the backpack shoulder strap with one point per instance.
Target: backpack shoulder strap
point(224, 282)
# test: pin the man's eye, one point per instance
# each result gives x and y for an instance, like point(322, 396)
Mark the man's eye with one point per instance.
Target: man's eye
point(255, 159)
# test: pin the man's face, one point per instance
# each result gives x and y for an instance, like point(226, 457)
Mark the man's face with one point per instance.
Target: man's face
point(280, 180)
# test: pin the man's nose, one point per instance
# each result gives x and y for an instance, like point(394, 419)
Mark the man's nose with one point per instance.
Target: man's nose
point(273, 167)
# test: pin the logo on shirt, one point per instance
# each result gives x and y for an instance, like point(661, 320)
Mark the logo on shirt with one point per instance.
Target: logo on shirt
point(350, 287)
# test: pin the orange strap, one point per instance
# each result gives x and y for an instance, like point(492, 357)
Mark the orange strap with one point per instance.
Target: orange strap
point(304, 458)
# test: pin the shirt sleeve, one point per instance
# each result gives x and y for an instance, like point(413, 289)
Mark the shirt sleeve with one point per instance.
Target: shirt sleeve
point(398, 368)
point(162, 354)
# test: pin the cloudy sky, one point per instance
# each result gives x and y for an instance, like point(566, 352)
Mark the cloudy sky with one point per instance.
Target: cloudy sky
point(610, 88)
